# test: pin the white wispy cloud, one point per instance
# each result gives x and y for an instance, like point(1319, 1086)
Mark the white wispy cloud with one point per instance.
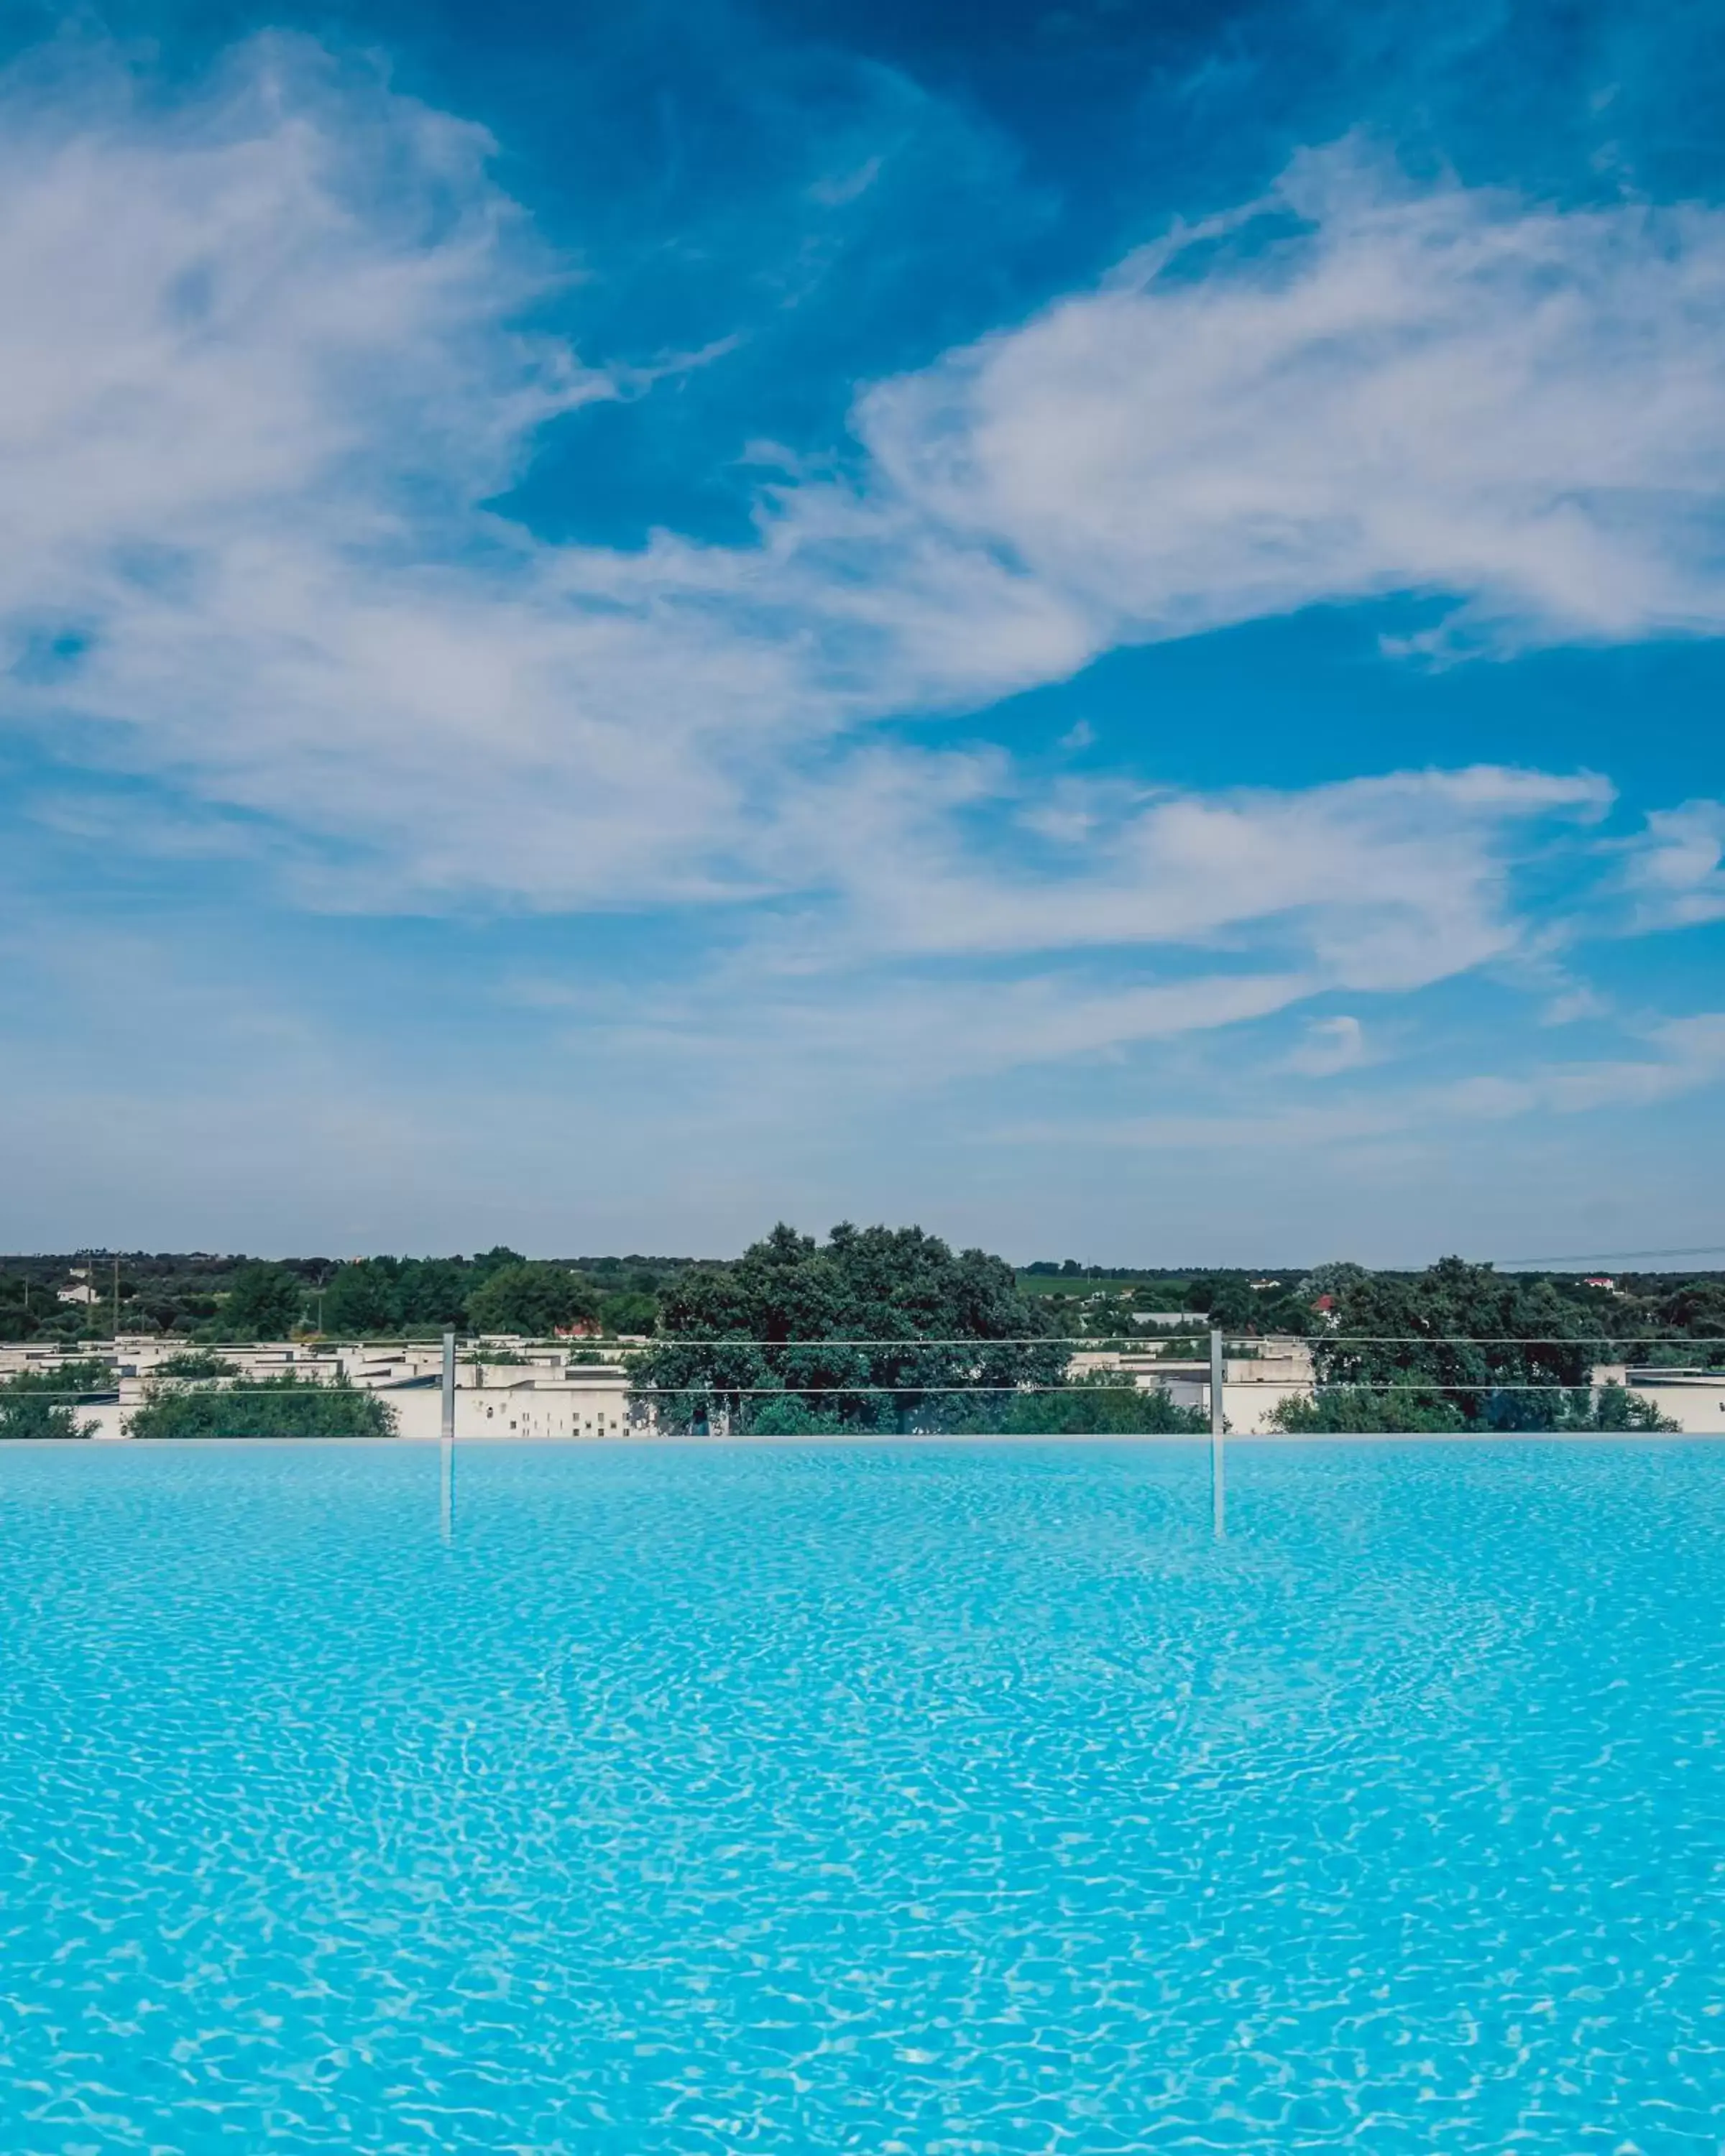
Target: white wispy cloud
point(1330, 1046)
point(258, 375)
point(1675, 870)
point(262, 377)
point(1445, 390)
point(1679, 1056)
point(1389, 882)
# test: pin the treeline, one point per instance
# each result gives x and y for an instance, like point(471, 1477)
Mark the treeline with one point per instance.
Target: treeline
point(216, 1300)
point(200, 1297)
point(1098, 1302)
point(879, 1329)
point(1663, 1311)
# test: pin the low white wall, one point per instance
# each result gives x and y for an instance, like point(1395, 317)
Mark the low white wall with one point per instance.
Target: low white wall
point(1249, 1408)
point(1696, 1405)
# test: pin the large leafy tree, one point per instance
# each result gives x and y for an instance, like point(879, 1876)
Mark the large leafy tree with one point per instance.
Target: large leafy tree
point(532, 1298)
point(628, 1310)
point(1463, 1346)
point(1231, 1302)
point(362, 1297)
point(21, 1314)
point(263, 1302)
point(877, 1328)
point(431, 1294)
point(1696, 1312)
point(1226, 1300)
point(407, 1294)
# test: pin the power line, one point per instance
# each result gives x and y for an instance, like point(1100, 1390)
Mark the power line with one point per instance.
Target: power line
point(710, 1386)
point(1618, 1257)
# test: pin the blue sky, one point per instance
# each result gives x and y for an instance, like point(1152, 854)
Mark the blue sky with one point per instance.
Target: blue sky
point(1099, 626)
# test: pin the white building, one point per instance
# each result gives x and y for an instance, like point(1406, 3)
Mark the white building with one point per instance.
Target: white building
point(540, 1394)
point(515, 1401)
point(1693, 1400)
point(1253, 1386)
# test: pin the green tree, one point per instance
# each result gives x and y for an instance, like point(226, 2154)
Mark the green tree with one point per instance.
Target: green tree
point(24, 1413)
point(362, 1297)
point(1415, 1409)
point(788, 1414)
point(629, 1311)
point(24, 1305)
point(1696, 1312)
point(874, 1327)
point(1353, 1410)
point(1228, 1300)
point(1101, 1405)
point(1459, 1347)
point(432, 1294)
point(1334, 1278)
point(43, 1404)
point(531, 1297)
point(1498, 1347)
point(288, 1406)
point(195, 1363)
point(263, 1302)
point(1614, 1407)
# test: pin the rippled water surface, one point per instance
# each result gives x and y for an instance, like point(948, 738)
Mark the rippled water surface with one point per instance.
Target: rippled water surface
point(917, 1799)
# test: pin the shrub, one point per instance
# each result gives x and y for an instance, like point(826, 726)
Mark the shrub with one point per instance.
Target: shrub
point(289, 1406)
point(1358, 1410)
point(1101, 1405)
point(196, 1362)
point(44, 1401)
point(1614, 1407)
point(38, 1403)
point(788, 1415)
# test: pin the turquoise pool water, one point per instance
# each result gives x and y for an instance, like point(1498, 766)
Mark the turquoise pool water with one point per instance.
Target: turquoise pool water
point(933, 1801)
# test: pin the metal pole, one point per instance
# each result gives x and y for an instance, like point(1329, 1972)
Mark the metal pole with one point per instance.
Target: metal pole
point(1219, 1496)
point(446, 1476)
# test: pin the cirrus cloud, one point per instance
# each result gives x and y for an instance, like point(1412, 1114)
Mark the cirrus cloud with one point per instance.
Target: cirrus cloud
point(260, 371)
point(1675, 870)
point(264, 382)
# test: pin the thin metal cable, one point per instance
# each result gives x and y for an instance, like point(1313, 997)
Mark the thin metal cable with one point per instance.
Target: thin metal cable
point(707, 1385)
point(1096, 1340)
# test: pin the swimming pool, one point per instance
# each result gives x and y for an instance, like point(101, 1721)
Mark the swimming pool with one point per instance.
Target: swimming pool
point(921, 1798)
